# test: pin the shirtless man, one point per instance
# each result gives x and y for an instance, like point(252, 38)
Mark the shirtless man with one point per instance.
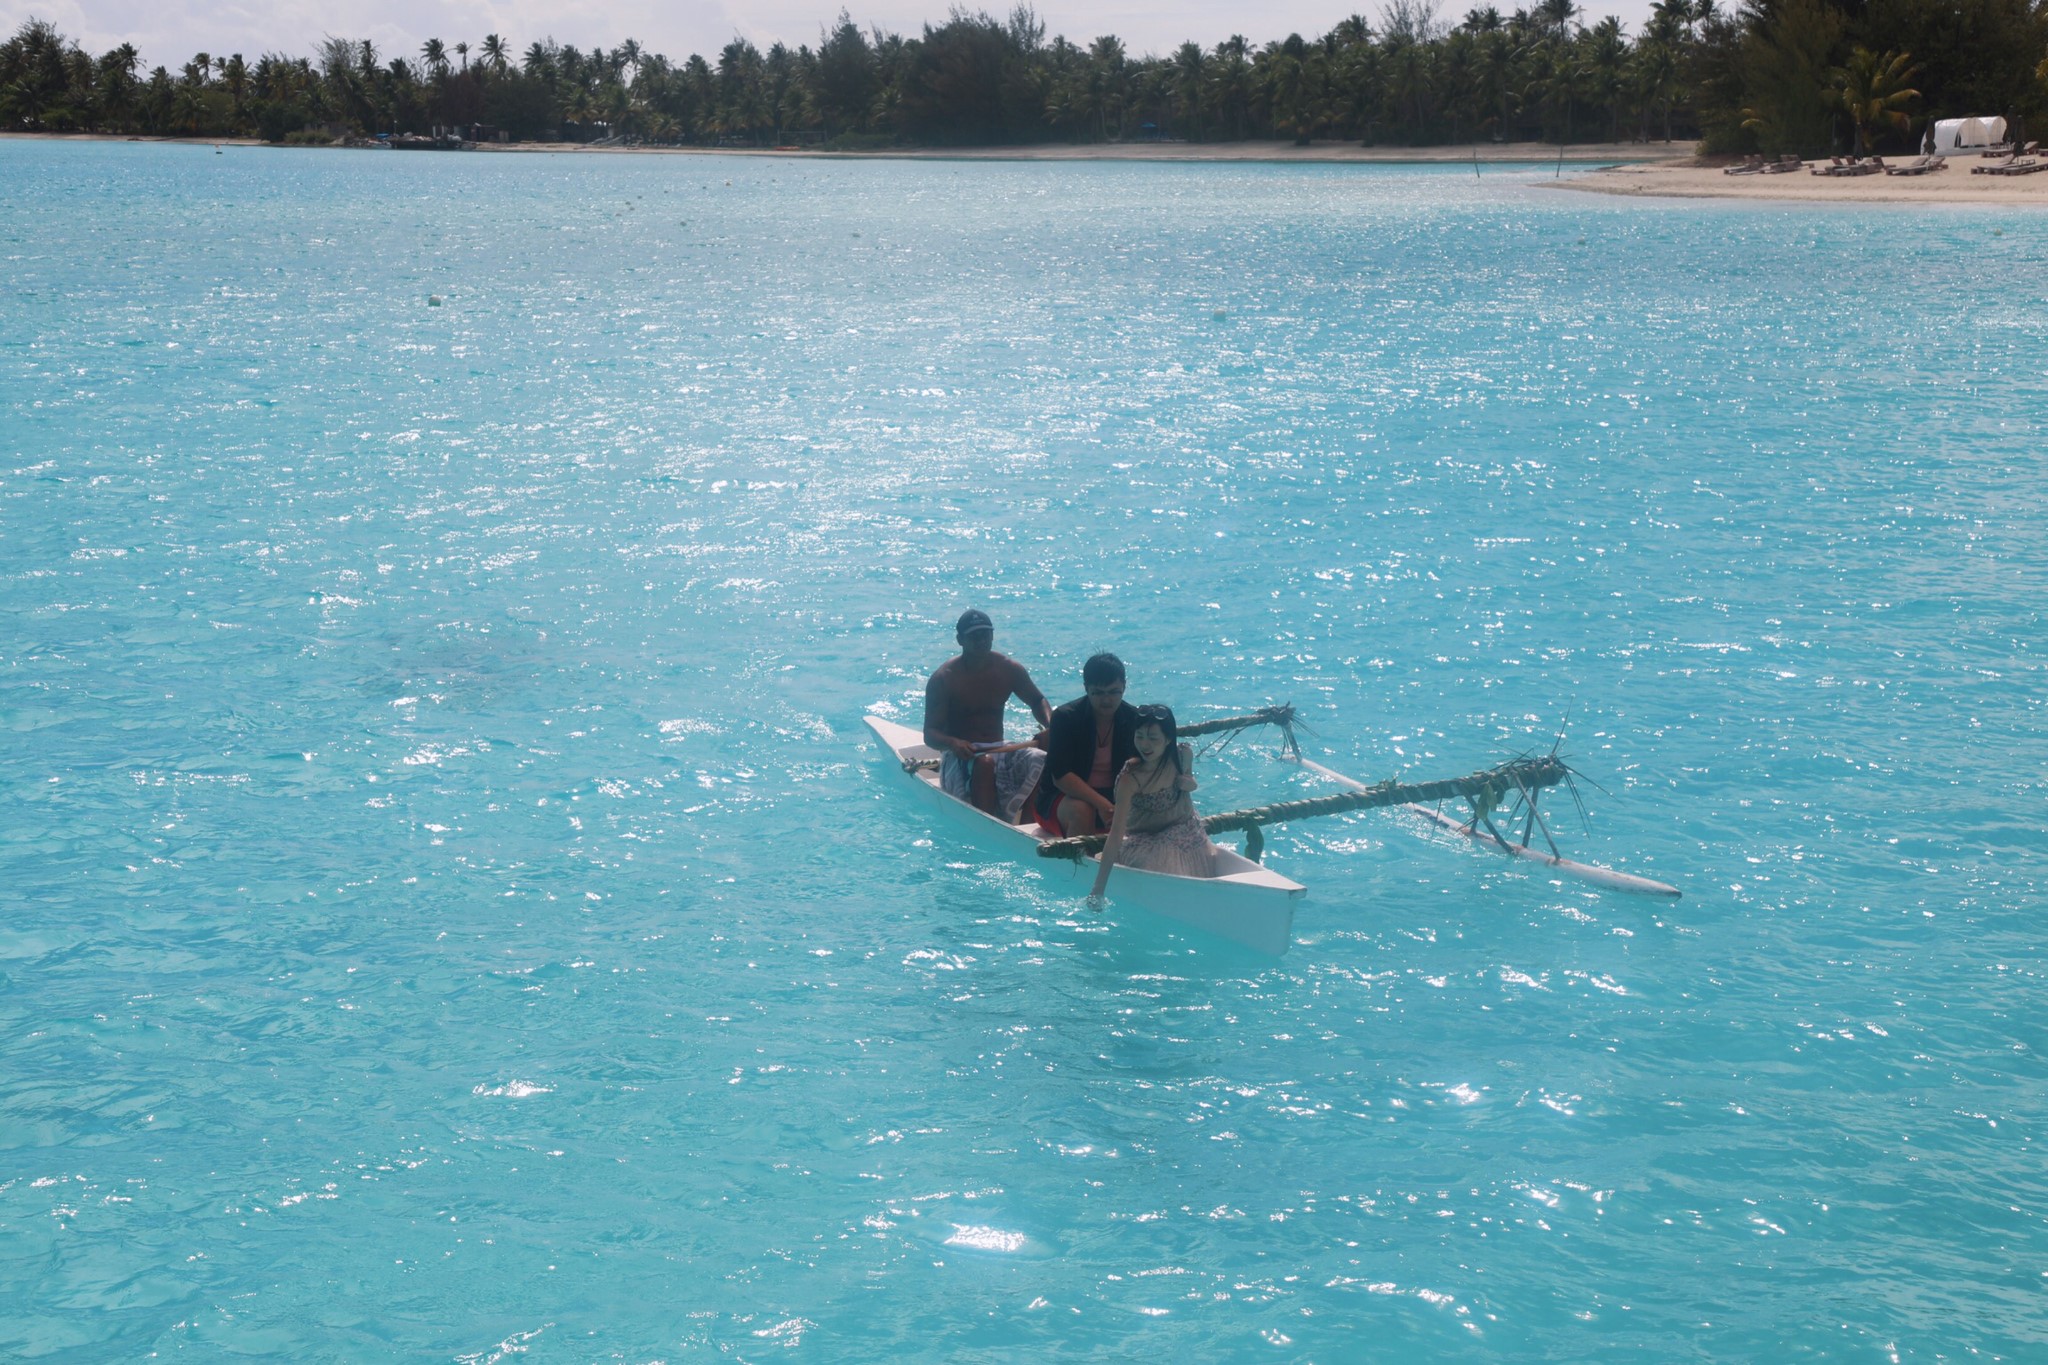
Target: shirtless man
point(963, 720)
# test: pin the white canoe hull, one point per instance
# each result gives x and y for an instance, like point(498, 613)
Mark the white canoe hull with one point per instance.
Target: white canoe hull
point(1244, 902)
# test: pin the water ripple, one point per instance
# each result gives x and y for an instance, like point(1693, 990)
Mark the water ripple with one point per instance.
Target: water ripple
point(454, 912)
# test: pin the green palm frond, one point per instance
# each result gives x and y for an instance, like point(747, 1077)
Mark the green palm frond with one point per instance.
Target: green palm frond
point(1871, 89)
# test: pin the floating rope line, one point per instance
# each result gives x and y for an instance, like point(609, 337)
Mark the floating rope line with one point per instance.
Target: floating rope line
point(1486, 788)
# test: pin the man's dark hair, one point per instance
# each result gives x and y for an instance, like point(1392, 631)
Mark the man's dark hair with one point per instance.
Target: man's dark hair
point(1101, 670)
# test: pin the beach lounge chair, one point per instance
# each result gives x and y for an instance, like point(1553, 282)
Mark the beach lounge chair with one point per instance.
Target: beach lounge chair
point(1870, 167)
point(2012, 165)
point(1784, 165)
point(1749, 165)
point(1919, 165)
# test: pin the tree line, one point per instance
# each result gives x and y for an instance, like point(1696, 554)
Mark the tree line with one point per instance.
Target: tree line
point(1806, 76)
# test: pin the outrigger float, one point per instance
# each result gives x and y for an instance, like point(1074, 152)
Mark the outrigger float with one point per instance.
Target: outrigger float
point(1246, 901)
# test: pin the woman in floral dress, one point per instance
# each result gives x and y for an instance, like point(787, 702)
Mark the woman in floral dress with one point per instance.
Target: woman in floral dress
point(1155, 826)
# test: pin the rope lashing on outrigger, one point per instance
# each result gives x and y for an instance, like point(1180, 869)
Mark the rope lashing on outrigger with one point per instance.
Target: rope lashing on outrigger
point(1486, 789)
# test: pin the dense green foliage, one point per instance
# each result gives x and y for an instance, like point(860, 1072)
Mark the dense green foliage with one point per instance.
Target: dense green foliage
point(1797, 75)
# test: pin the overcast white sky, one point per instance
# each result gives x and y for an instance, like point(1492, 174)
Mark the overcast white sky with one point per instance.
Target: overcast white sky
point(168, 32)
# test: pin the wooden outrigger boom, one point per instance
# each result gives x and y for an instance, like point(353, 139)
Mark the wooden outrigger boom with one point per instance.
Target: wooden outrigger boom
point(1487, 785)
point(1487, 790)
point(1282, 716)
point(1585, 872)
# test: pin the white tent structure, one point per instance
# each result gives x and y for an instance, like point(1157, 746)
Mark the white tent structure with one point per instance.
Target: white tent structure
point(1953, 135)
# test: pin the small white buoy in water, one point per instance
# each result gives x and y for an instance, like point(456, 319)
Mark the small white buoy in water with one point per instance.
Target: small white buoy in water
point(433, 300)
point(1218, 316)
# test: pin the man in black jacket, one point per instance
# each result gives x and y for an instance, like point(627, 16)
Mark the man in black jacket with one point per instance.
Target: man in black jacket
point(1087, 745)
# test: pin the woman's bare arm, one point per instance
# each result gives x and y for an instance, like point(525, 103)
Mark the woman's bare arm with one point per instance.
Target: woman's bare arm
point(1114, 844)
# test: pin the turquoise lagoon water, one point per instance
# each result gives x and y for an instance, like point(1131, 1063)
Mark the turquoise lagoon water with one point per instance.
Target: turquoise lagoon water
point(453, 910)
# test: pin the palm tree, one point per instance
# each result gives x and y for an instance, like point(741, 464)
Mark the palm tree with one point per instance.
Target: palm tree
point(1292, 77)
point(1656, 78)
point(495, 54)
point(1190, 73)
point(1604, 62)
point(117, 82)
point(1549, 89)
point(190, 107)
point(1066, 92)
point(1556, 14)
point(1495, 67)
point(462, 51)
point(234, 74)
point(1872, 91)
point(742, 108)
point(1408, 73)
point(778, 82)
point(435, 56)
point(1108, 84)
point(1230, 81)
point(615, 106)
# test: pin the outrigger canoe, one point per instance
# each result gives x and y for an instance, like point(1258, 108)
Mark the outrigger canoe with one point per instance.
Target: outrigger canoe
point(1244, 902)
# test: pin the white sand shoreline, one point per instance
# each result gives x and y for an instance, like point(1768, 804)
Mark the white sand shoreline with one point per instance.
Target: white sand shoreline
point(1486, 153)
point(1655, 170)
point(1690, 180)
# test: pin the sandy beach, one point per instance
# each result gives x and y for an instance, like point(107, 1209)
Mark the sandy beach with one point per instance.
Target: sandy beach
point(1628, 169)
point(1490, 153)
point(1487, 153)
point(1689, 180)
